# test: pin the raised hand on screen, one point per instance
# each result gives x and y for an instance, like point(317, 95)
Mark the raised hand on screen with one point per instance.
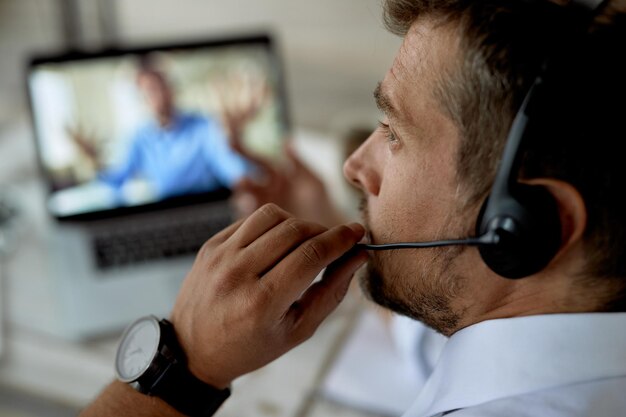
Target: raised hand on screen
point(240, 96)
point(85, 142)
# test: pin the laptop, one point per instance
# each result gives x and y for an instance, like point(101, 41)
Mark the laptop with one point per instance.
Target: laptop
point(139, 165)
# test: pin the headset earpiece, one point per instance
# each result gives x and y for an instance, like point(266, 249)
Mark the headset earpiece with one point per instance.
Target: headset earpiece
point(527, 229)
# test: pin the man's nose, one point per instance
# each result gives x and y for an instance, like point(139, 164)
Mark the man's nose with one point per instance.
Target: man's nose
point(361, 169)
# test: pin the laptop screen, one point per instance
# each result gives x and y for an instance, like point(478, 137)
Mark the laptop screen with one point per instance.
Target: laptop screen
point(136, 128)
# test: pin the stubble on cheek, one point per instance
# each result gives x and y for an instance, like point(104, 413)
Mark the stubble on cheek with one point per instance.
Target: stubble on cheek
point(423, 286)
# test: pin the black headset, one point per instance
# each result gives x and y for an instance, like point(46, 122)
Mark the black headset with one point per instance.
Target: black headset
point(518, 230)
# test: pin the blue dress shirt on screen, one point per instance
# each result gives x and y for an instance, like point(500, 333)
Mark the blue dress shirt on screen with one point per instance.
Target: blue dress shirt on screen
point(190, 156)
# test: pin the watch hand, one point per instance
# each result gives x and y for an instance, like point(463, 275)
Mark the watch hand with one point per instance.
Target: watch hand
point(138, 350)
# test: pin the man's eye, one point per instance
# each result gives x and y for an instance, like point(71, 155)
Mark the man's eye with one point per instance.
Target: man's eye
point(387, 131)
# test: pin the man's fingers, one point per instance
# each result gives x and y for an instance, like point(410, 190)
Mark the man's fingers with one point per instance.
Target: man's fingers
point(297, 164)
point(324, 296)
point(259, 222)
point(278, 242)
point(245, 198)
point(297, 270)
point(246, 187)
point(224, 234)
point(262, 164)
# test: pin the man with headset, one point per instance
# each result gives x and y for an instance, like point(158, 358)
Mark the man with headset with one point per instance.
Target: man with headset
point(523, 267)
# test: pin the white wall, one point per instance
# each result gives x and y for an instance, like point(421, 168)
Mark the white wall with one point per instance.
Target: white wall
point(25, 25)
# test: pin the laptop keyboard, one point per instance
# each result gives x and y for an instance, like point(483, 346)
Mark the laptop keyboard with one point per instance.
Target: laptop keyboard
point(134, 244)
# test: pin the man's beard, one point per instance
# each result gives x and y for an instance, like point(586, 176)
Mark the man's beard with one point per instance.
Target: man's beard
point(424, 293)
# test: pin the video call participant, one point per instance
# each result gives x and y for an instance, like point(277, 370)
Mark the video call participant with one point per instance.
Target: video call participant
point(177, 152)
point(549, 344)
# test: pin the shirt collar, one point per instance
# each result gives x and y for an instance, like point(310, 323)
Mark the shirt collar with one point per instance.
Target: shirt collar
point(507, 357)
point(178, 120)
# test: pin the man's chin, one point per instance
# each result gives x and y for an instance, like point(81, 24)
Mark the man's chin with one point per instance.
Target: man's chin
point(429, 307)
point(372, 283)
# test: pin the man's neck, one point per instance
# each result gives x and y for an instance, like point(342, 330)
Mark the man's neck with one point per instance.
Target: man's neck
point(166, 119)
point(545, 293)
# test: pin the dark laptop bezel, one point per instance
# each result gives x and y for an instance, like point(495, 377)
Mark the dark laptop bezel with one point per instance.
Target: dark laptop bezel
point(263, 39)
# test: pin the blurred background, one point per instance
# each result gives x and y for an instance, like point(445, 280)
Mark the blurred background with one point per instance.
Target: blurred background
point(333, 51)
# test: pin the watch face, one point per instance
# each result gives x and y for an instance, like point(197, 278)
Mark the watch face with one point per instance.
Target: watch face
point(137, 349)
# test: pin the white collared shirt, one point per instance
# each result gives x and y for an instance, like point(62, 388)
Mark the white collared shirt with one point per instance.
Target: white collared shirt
point(556, 365)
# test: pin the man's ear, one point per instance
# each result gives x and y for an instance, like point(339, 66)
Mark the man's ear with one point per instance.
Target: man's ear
point(572, 210)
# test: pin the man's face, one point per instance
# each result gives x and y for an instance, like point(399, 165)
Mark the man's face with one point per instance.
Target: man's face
point(157, 93)
point(407, 174)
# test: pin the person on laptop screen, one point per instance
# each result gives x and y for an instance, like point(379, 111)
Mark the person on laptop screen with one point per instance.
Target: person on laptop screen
point(175, 152)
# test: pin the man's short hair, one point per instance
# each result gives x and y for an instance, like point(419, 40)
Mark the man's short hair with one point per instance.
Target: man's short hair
point(149, 65)
point(503, 45)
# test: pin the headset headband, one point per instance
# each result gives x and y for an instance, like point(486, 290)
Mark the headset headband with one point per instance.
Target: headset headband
point(511, 159)
point(589, 4)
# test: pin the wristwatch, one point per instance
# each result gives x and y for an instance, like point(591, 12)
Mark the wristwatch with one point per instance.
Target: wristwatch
point(150, 359)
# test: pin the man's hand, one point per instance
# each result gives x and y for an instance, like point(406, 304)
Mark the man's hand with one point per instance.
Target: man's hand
point(293, 186)
point(240, 96)
point(248, 298)
point(84, 142)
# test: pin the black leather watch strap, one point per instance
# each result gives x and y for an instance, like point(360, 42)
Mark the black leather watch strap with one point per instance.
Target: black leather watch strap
point(177, 386)
point(187, 394)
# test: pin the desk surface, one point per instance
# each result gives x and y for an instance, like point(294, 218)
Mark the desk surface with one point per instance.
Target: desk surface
point(70, 373)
